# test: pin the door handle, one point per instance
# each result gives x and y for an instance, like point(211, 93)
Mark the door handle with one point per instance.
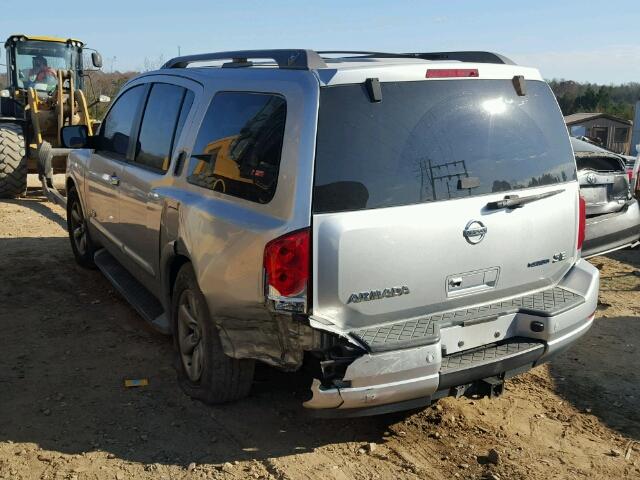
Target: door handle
point(114, 180)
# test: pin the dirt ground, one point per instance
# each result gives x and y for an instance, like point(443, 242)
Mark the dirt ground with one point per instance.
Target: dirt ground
point(68, 342)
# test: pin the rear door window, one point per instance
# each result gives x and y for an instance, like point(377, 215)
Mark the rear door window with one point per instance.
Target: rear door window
point(238, 147)
point(159, 126)
point(436, 140)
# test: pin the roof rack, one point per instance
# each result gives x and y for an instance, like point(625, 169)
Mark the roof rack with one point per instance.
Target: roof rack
point(286, 59)
point(462, 56)
point(467, 56)
point(298, 59)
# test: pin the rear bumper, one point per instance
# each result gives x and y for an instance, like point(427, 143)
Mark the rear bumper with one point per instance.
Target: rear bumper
point(411, 377)
point(612, 231)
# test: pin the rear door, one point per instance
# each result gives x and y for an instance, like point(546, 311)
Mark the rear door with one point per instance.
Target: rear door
point(403, 223)
point(165, 112)
point(107, 164)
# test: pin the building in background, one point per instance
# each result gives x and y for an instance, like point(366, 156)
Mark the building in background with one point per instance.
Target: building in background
point(609, 131)
point(635, 136)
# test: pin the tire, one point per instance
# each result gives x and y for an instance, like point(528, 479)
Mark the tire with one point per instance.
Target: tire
point(81, 244)
point(204, 371)
point(13, 161)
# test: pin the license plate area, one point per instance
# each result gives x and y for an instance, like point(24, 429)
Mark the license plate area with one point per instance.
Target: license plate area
point(458, 338)
point(594, 194)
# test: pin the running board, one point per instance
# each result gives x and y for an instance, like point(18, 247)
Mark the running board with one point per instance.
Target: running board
point(144, 302)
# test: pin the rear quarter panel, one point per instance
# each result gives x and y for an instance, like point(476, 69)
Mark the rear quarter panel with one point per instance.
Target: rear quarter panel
point(225, 236)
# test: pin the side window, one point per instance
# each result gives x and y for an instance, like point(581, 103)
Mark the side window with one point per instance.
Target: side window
point(238, 147)
point(184, 113)
point(159, 121)
point(116, 128)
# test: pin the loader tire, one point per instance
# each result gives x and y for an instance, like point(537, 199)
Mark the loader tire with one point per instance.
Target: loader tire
point(13, 161)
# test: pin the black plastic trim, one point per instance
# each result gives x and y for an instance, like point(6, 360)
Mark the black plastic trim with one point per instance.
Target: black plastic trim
point(526, 358)
point(294, 59)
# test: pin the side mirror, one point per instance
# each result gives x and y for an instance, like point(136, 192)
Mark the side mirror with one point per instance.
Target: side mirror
point(75, 136)
point(96, 59)
point(104, 99)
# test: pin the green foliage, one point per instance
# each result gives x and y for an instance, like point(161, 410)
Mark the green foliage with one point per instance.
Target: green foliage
point(575, 97)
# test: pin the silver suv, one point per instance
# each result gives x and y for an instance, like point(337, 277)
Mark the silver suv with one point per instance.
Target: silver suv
point(409, 224)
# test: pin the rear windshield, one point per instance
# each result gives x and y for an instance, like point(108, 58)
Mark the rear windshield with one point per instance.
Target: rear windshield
point(436, 140)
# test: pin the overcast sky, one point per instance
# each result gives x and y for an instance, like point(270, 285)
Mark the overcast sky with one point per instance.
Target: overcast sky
point(567, 39)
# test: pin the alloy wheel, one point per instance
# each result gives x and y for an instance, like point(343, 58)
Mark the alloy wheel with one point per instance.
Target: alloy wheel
point(78, 228)
point(190, 341)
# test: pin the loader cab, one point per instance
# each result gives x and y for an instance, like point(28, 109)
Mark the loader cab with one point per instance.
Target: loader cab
point(33, 62)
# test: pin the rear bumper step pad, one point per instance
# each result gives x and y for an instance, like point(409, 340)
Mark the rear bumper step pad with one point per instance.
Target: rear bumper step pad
point(463, 367)
point(426, 330)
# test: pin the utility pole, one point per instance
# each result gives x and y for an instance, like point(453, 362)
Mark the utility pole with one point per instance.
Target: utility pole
point(178, 50)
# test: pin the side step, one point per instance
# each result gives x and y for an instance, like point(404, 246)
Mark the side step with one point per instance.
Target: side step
point(145, 303)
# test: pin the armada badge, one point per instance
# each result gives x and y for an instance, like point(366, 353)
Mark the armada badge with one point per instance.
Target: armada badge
point(378, 294)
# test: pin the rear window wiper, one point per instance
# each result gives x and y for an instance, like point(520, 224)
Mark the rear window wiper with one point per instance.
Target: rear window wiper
point(515, 201)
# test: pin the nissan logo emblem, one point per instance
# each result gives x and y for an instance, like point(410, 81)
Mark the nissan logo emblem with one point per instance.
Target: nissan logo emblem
point(474, 232)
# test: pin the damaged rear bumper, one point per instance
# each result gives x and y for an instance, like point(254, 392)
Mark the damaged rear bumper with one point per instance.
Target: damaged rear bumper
point(612, 231)
point(407, 378)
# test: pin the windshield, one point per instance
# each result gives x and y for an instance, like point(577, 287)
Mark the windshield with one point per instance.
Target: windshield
point(38, 62)
point(438, 140)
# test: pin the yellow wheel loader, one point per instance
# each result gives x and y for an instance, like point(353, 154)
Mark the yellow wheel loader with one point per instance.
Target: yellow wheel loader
point(45, 79)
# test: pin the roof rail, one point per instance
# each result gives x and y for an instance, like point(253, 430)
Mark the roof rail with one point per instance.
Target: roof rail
point(296, 59)
point(462, 56)
point(466, 56)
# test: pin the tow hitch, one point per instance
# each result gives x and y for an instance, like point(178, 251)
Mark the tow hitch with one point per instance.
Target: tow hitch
point(491, 387)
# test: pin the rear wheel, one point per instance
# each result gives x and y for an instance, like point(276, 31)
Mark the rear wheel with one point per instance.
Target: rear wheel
point(204, 371)
point(81, 244)
point(13, 161)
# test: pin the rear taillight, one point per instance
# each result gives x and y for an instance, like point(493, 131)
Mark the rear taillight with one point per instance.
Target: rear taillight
point(582, 221)
point(452, 72)
point(286, 267)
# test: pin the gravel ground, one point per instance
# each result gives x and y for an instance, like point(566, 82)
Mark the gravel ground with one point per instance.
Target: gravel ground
point(69, 341)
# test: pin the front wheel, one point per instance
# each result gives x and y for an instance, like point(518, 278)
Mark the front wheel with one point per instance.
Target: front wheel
point(204, 371)
point(13, 161)
point(81, 244)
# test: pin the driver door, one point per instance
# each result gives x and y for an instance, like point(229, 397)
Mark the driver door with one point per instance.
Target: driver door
point(107, 164)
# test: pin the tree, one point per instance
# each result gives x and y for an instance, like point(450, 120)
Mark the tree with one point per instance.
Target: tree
point(575, 97)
